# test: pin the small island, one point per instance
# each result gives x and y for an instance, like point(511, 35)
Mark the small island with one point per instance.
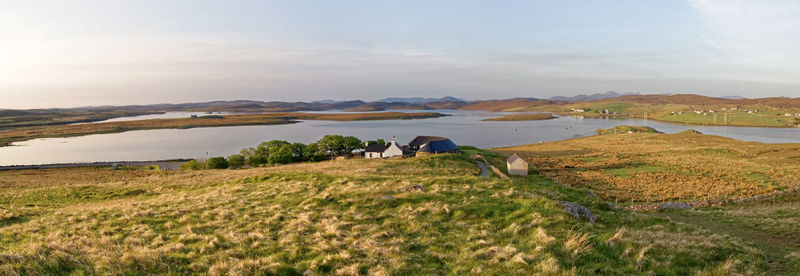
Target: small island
point(626, 129)
point(524, 117)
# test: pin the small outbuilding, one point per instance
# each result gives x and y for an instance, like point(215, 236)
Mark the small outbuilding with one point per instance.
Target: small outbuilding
point(517, 165)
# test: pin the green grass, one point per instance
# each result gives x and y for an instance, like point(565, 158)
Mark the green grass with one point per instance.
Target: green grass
point(733, 119)
point(613, 107)
point(630, 171)
point(593, 159)
point(339, 217)
point(626, 129)
point(771, 225)
point(758, 177)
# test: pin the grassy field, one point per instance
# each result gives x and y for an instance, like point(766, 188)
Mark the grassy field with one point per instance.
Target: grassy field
point(418, 216)
point(773, 225)
point(650, 167)
point(524, 117)
point(752, 115)
point(22, 134)
point(626, 129)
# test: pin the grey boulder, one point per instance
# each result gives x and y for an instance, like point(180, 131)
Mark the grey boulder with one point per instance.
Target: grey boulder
point(578, 211)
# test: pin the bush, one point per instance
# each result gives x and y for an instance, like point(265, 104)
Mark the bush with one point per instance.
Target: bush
point(281, 156)
point(283, 152)
point(351, 143)
point(193, 165)
point(314, 153)
point(217, 163)
point(336, 145)
point(236, 161)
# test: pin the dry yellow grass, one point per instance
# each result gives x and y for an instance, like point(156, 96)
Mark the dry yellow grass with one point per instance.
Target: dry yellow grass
point(660, 167)
point(336, 217)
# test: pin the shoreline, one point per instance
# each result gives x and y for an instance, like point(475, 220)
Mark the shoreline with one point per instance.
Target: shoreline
point(621, 116)
point(161, 163)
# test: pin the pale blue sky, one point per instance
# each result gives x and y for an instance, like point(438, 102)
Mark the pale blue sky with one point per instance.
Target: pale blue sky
point(75, 53)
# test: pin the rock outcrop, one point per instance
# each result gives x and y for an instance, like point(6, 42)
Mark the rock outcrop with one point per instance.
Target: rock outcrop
point(578, 211)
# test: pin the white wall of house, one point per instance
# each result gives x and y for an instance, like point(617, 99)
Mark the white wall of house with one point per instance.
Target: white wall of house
point(393, 150)
point(373, 155)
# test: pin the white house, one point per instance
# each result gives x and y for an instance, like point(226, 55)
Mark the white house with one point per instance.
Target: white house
point(374, 151)
point(387, 150)
point(393, 149)
point(517, 165)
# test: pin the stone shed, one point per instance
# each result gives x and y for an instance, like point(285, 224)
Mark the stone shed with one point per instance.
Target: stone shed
point(517, 165)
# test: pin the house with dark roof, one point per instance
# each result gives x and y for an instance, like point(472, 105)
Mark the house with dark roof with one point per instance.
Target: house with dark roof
point(374, 151)
point(387, 150)
point(422, 145)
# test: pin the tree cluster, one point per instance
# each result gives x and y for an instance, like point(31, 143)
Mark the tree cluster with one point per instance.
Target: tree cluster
point(283, 152)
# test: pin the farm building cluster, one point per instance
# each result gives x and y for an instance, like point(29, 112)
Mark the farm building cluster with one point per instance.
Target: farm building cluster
point(711, 111)
point(421, 145)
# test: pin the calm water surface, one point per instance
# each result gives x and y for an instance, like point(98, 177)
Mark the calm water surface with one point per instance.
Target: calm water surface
point(463, 127)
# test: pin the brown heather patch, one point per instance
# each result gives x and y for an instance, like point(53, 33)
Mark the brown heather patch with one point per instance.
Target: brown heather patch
point(660, 167)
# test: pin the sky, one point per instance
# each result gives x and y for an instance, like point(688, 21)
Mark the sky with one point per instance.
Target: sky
point(109, 52)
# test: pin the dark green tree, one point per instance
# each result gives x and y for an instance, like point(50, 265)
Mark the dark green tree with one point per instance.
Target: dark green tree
point(350, 144)
point(283, 155)
point(299, 152)
point(314, 153)
point(263, 150)
point(331, 144)
point(216, 163)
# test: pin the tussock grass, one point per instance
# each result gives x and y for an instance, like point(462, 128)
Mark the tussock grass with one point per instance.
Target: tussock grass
point(336, 217)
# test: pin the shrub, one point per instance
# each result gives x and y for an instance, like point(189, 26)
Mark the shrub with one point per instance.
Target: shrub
point(314, 153)
point(193, 165)
point(281, 156)
point(236, 161)
point(216, 163)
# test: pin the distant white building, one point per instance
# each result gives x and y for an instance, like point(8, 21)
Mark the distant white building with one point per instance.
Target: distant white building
point(517, 165)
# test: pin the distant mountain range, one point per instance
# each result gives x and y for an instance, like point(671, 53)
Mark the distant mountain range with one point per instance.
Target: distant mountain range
point(733, 97)
point(419, 100)
point(419, 103)
point(597, 96)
